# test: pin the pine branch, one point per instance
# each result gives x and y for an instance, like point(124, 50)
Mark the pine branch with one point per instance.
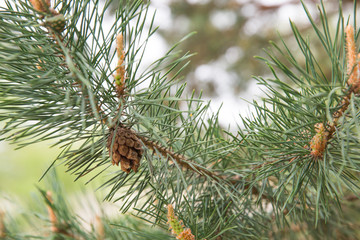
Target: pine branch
point(282, 146)
point(319, 142)
point(62, 77)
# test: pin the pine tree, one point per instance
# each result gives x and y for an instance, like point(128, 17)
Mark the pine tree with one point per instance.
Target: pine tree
point(290, 173)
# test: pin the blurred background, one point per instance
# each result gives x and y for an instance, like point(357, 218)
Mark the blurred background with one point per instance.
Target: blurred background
point(229, 33)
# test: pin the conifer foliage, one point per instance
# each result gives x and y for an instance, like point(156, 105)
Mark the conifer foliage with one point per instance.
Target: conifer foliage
point(293, 170)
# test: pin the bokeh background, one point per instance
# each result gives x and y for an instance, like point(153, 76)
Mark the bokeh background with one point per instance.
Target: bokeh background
point(229, 33)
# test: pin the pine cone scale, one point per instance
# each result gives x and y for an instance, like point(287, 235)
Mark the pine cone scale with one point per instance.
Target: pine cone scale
point(123, 150)
point(132, 155)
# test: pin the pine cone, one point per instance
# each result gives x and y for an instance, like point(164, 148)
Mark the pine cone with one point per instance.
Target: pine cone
point(126, 149)
point(57, 23)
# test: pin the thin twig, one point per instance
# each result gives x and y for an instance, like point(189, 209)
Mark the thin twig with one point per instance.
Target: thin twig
point(179, 159)
point(182, 161)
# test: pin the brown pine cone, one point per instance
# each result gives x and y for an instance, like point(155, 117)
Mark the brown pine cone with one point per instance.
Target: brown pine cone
point(126, 149)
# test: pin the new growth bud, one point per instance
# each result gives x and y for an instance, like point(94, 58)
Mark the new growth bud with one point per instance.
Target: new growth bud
point(352, 60)
point(120, 73)
point(57, 23)
point(177, 226)
point(41, 5)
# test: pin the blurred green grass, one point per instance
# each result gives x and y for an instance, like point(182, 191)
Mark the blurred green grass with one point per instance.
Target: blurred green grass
point(21, 169)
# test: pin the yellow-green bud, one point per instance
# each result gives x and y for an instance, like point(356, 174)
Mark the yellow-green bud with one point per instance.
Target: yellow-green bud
point(57, 23)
